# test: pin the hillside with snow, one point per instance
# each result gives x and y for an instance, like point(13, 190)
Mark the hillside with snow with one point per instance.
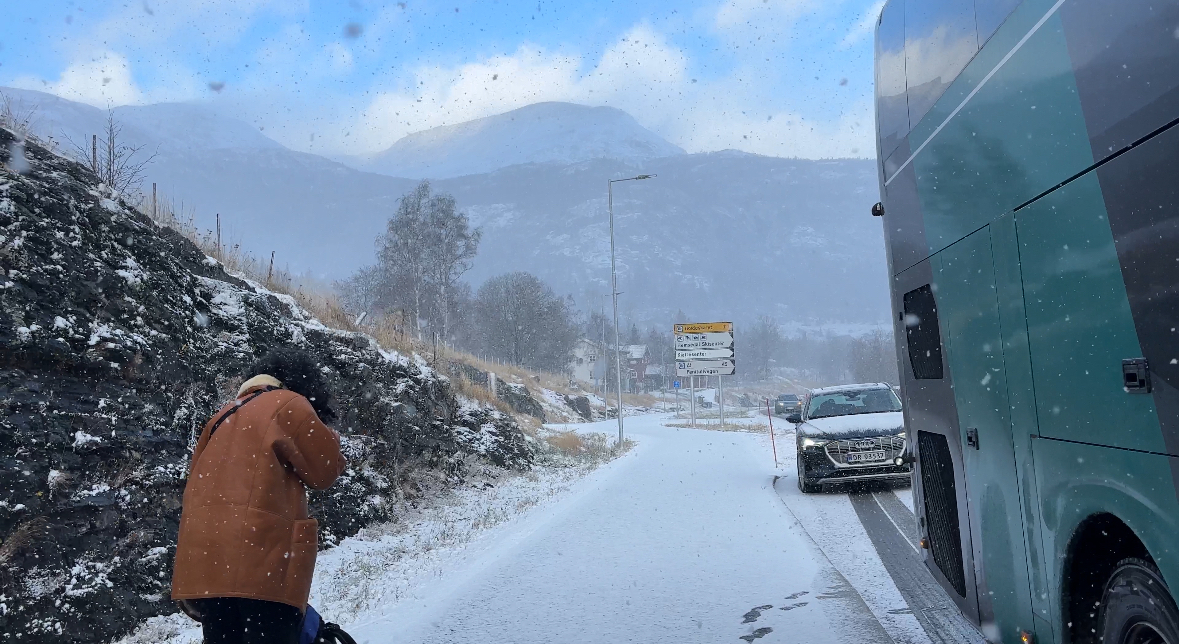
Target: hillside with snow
point(120, 340)
point(539, 133)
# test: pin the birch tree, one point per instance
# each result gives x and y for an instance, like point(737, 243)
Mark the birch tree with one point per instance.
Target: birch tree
point(400, 255)
point(450, 247)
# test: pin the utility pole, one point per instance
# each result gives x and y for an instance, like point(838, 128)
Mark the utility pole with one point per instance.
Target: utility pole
point(94, 153)
point(153, 200)
point(614, 291)
point(270, 271)
point(219, 236)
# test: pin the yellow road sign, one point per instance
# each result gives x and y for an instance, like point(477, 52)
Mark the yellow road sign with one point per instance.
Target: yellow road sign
point(703, 327)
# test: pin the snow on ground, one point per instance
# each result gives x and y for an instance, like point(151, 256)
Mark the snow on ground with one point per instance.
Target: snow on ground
point(683, 540)
point(832, 522)
point(906, 497)
point(387, 564)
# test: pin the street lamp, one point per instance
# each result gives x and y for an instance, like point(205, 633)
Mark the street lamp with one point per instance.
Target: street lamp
point(614, 290)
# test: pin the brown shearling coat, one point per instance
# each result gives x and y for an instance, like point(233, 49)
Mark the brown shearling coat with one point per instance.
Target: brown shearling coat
point(244, 529)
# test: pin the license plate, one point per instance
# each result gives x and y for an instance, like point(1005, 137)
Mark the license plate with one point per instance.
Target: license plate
point(865, 457)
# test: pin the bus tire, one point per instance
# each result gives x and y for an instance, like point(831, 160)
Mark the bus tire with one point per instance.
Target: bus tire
point(1137, 607)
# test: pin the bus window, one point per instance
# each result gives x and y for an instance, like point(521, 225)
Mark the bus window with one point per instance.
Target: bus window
point(892, 107)
point(939, 40)
point(989, 14)
point(923, 334)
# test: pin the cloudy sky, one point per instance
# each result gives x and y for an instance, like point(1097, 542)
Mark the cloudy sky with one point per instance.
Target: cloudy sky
point(775, 77)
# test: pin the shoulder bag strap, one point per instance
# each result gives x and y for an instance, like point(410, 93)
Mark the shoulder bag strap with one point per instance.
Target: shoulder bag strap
point(238, 405)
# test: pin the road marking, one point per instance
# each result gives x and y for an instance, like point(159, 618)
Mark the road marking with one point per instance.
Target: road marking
point(894, 523)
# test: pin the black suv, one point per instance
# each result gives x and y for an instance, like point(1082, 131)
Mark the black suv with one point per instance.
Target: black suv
point(850, 433)
point(785, 403)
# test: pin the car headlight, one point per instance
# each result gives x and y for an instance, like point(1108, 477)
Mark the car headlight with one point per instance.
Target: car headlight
point(811, 442)
point(901, 435)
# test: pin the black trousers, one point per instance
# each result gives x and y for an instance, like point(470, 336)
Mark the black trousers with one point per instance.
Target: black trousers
point(233, 620)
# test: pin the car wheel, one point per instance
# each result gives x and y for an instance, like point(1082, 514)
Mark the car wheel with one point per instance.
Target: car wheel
point(1137, 608)
point(805, 484)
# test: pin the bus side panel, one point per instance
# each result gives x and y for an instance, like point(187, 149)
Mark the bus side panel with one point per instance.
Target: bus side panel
point(1141, 194)
point(1077, 481)
point(904, 230)
point(1079, 322)
point(969, 310)
point(1021, 397)
point(929, 408)
point(1021, 134)
point(1126, 61)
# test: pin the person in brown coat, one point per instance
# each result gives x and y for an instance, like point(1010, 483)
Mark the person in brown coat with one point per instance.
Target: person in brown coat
point(246, 549)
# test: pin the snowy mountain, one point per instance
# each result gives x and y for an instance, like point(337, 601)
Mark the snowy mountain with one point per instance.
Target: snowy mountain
point(173, 127)
point(723, 234)
point(538, 133)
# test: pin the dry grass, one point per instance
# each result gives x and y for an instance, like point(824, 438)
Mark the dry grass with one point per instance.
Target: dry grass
point(748, 428)
point(317, 298)
point(567, 443)
point(586, 448)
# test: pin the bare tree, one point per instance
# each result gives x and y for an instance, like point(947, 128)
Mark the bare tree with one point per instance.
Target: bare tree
point(17, 117)
point(119, 165)
point(450, 245)
point(427, 247)
point(400, 257)
point(360, 293)
point(873, 358)
point(760, 346)
point(521, 321)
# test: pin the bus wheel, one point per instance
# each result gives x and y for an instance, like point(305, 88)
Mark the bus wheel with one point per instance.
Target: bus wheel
point(1136, 607)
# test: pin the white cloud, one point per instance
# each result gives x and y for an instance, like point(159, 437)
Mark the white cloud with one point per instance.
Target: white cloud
point(737, 13)
point(745, 21)
point(641, 73)
point(339, 57)
point(102, 80)
point(865, 26)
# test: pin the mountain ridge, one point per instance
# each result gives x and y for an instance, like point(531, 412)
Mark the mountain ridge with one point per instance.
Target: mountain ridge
point(785, 237)
point(536, 133)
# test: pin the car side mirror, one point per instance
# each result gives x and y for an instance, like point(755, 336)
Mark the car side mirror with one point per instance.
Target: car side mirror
point(794, 418)
point(877, 209)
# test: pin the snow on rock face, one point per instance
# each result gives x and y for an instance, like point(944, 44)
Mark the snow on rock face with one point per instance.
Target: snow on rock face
point(119, 341)
point(878, 424)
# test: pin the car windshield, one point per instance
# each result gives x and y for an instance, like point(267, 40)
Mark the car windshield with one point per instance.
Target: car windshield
point(847, 403)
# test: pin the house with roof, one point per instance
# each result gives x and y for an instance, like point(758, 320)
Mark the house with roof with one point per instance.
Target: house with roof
point(588, 363)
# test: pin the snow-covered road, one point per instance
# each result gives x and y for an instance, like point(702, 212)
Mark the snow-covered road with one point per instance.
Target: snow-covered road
point(683, 540)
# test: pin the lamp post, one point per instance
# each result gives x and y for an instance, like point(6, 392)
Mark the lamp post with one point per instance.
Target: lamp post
point(614, 290)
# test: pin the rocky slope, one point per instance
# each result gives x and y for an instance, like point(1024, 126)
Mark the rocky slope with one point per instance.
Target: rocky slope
point(118, 339)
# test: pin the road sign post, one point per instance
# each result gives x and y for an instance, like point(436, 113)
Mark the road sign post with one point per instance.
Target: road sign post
point(720, 386)
point(705, 349)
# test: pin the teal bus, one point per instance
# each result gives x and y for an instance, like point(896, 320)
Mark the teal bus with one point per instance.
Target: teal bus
point(1029, 177)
